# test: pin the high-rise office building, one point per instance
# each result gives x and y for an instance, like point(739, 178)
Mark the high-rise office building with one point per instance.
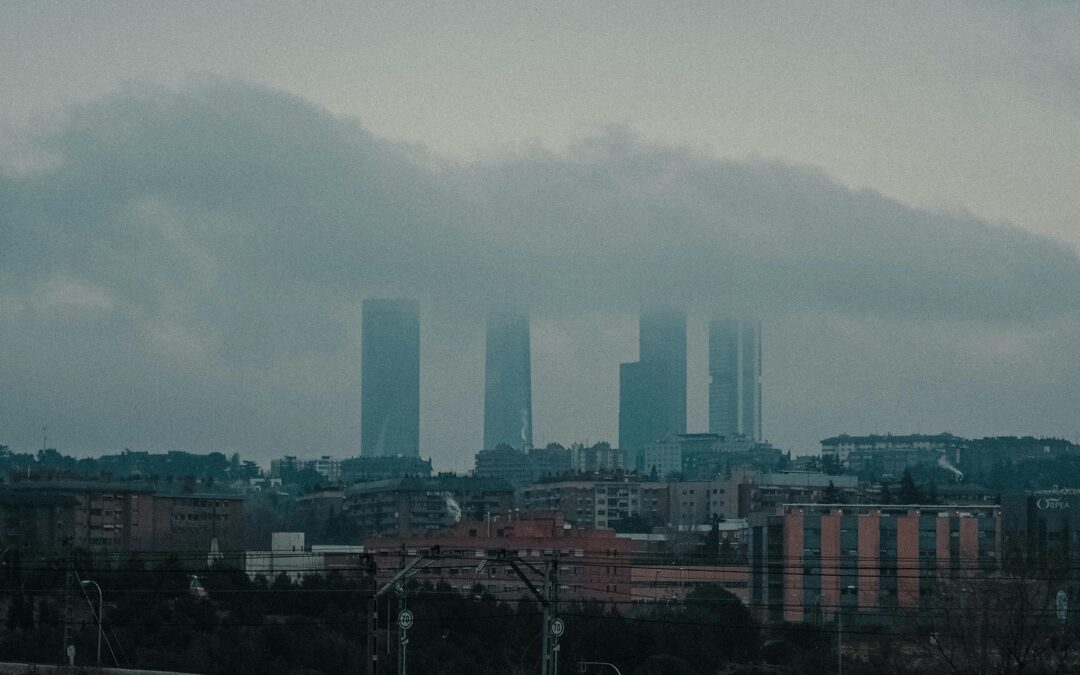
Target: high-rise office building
point(652, 391)
point(735, 377)
point(507, 381)
point(390, 378)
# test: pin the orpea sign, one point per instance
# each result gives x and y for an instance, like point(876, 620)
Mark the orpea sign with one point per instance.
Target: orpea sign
point(1051, 504)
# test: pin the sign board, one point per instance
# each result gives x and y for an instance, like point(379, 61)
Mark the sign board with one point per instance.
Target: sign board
point(405, 619)
point(1051, 504)
point(557, 627)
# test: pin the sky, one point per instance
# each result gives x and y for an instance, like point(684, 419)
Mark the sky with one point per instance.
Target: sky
point(196, 197)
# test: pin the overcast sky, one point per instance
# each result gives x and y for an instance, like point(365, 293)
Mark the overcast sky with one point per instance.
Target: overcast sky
point(195, 198)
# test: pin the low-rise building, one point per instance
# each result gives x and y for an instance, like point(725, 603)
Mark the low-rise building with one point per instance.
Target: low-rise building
point(117, 516)
point(289, 556)
point(411, 506)
point(1040, 529)
point(766, 492)
point(600, 503)
point(659, 583)
point(593, 564)
point(357, 469)
point(521, 467)
point(706, 456)
point(598, 458)
point(815, 559)
point(699, 502)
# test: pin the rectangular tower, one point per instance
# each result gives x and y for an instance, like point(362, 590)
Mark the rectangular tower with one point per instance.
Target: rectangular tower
point(507, 381)
point(390, 378)
point(652, 391)
point(724, 375)
point(735, 377)
point(750, 385)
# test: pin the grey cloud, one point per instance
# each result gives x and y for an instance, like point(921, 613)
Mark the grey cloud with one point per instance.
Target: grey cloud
point(201, 254)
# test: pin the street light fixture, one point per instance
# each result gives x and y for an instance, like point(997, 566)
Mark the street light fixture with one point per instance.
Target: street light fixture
point(100, 614)
point(583, 666)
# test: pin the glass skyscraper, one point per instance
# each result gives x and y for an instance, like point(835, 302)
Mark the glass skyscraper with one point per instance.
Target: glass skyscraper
point(735, 377)
point(507, 381)
point(390, 378)
point(652, 391)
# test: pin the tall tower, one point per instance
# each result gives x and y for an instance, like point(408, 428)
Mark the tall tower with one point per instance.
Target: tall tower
point(735, 377)
point(652, 390)
point(507, 381)
point(390, 378)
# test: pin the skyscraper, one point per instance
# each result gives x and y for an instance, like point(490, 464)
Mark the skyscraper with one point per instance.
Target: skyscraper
point(652, 391)
point(662, 346)
point(735, 377)
point(390, 378)
point(507, 381)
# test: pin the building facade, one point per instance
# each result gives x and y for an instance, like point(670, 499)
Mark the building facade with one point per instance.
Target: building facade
point(507, 381)
point(412, 506)
point(652, 390)
point(43, 516)
point(812, 560)
point(600, 503)
point(521, 467)
point(390, 378)
point(593, 564)
point(357, 469)
point(696, 456)
point(1042, 527)
point(735, 378)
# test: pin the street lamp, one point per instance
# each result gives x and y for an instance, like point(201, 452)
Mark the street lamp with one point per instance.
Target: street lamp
point(100, 615)
point(583, 666)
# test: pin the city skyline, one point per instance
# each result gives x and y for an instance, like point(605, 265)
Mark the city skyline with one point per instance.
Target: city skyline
point(189, 227)
point(477, 337)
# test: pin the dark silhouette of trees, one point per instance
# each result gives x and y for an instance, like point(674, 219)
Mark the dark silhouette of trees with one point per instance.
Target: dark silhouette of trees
point(909, 491)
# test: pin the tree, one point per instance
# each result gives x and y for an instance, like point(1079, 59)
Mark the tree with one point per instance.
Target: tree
point(886, 494)
point(664, 664)
point(832, 495)
point(909, 491)
point(995, 624)
point(712, 540)
point(784, 462)
point(832, 465)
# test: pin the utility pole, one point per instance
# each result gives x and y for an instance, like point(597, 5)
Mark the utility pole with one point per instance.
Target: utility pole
point(556, 626)
point(373, 608)
point(405, 617)
point(405, 621)
point(545, 643)
point(839, 640)
point(553, 626)
point(69, 563)
point(100, 615)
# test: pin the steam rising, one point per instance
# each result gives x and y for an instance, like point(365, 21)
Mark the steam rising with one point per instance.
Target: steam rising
point(453, 509)
point(944, 463)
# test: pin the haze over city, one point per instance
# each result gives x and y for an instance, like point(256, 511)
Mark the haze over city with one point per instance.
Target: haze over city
point(196, 199)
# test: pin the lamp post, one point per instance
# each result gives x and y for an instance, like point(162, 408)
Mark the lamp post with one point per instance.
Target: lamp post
point(583, 666)
point(100, 615)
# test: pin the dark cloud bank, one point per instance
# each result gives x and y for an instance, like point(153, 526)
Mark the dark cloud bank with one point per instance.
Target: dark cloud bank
point(184, 270)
